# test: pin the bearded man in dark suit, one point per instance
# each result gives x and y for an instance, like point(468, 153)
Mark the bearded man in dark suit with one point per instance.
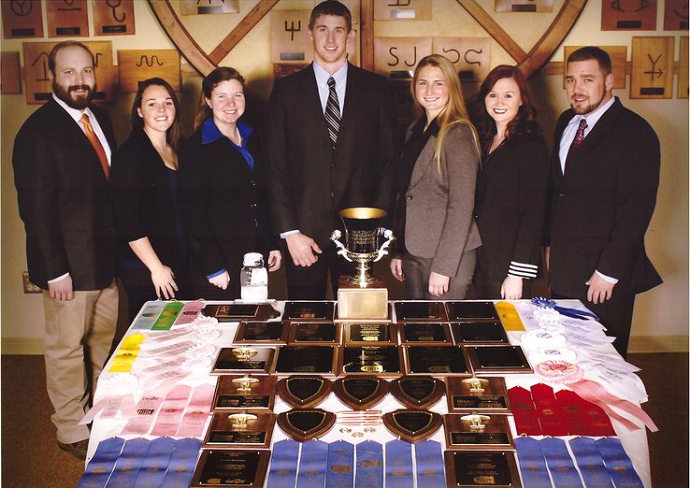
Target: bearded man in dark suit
point(61, 162)
point(314, 171)
point(604, 180)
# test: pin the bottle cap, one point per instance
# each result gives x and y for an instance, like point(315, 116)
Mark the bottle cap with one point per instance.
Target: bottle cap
point(253, 259)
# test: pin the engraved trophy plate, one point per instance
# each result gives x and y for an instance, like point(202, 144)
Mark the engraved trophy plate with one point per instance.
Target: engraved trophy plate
point(425, 333)
point(472, 469)
point(374, 334)
point(304, 311)
point(412, 425)
point(236, 312)
point(479, 333)
point(304, 391)
point(425, 311)
point(231, 467)
point(306, 359)
point(471, 311)
point(417, 391)
point(477, 431)
point(477, 394)
point(244, 359)
point(384, 360)
point(246, 428)
point(261, 333)
point(499, 360)
point(436, 360)
point(306, 424)
point(244, 392)
point(360, 392)
point(314, 333)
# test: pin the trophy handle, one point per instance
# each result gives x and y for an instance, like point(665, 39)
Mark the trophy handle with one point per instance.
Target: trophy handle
point(335, 235)
point(388, 234)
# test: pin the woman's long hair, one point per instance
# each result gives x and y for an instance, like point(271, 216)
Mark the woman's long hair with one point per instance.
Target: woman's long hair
point(524, 122)
point(218, 75)
point(174, 132)
point(455, 111)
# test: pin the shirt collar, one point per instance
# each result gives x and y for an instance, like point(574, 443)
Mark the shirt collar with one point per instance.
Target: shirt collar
point(322, 75)
point(75, 113)
point(593, 117)
point(211, 133)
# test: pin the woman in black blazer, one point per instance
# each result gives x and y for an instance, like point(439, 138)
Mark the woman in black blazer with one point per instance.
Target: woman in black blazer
point(144, 179)
point(511, 187)
point(222, 195)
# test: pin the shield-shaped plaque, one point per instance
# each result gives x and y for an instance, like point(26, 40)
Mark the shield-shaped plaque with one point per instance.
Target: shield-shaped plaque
point(360, 393)
point(304, 391)
point(412, 425)
point(303, 424)
point(417, 391)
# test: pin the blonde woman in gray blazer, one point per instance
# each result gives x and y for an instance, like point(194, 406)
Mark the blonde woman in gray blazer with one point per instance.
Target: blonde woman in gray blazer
point(435, 253)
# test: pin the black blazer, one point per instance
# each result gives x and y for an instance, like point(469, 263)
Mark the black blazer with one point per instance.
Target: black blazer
point(144, 204)
point(308, 181)
point(65, 199)
point(220, 200)
point(601, 207)
point(509, 205)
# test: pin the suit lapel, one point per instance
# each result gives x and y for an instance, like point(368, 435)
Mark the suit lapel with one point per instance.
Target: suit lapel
point(313, 101)
point(352, 97)
point(424, 160)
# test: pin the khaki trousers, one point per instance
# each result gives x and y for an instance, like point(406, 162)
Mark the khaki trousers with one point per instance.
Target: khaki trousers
point(78, 336)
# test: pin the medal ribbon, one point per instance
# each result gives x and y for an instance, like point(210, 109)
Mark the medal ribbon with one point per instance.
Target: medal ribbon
point(148, 315)
point(618, 463)
point(524, 412)
point(509, 316)
point(189, 313)
point(128, 464)
point(155, 463)
point(399, 464)
point(341, 458)
point(550, 416)
point(429, 464)
point(195, 417)
point(283, 470)
point(532, 464)
point(560, 464)
point(312, 465)
point(181, 465)
point(583, 417)
point(573, 313)
point(101, 465)
point(590, 463)
point(168, 316)
point(369, 469)
point(146, 410)
point(170, 412)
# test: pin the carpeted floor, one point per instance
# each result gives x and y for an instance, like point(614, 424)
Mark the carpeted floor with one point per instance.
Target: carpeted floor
point(31, 460)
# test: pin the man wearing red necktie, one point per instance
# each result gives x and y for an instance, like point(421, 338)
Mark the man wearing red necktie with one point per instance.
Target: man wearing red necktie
point(61, 161)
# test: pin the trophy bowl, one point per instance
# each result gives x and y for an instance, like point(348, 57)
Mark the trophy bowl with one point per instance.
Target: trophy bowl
point(364, 241)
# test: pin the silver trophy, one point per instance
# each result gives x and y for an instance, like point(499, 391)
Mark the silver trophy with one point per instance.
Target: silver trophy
point(363, 236)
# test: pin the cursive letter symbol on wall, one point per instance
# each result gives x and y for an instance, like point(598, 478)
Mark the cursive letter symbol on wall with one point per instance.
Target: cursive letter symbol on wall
point(148, 62)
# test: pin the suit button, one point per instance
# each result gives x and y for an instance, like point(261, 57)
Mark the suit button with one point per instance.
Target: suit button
point(561, 195)
point(253, 183)
point(409, 197)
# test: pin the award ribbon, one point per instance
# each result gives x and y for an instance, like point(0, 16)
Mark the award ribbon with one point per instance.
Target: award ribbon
point(128, 464)
point(126, 354)
point(549, 412)
point(170, 413)
point(399, 464)
point(283, 470)
point(524, 412)
point(509, 316)
point(340, 464)
point(189, 313)
point(148, 315)
point(573, 313)
point(168, 316)
point(155, 463)
point(560, 464)
point(181, 465)
point(583, 417)
point(429, 464)
point(146, 409)
point(369, 468)
point(618, 463)
point(532, 464)
point(101, 465)
point(312, 465)
point(590, 463)
point(195, 417)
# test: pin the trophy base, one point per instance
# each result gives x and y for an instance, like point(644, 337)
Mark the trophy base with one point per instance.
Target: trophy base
point(362, 304)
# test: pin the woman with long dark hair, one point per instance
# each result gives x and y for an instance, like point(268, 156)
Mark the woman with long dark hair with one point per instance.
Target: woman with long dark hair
point(511, 187)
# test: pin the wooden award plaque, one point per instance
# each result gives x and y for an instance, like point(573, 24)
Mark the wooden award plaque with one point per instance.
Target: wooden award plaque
point(436, 360)
point(477, 431)
point(417, 391)
point(22, 19)
point(244, 392)
point(231, 467)
point(304, 391)
point(246, 428)
point(303, 424)
point(422, 333)
point(307, 359)
point(477, 394)
point(497, 360)
point(379, 360)
point(412, 425)
point(313, 333)
point(113, 18)
point(261, 333)
point(244, 359)
point(67, 18)
point(420, 311)
point(473, 469)
point(373, 334)
point(360, 392)
point(305, 311)
point(485, 332)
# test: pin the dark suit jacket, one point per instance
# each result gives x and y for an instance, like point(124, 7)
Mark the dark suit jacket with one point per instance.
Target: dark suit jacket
point(509, 208)
point(602, 206)
point(64, 199)
point(308, 181)
point(144, 204)
point(220, 199)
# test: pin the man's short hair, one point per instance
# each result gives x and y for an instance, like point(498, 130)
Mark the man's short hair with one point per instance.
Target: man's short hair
point(592, 52)
point(61, 45)
point(331, 7)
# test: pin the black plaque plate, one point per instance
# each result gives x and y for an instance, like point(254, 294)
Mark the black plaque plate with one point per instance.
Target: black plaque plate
point(497, 359)
point(254, 360)
point(472, 311)
point(304, 391)
point(425, 311)
point(477, 430)
point(261, 333)
point(412, 425)
point(477, 394)
point(360, 392)
point(472, 469)
point(303, 311)
point(373, 334)
point(425, 333)
point(244, 392)
point(479, 333)
point(305, 359)
point(306, 424)
point(231, 467)
point(235, 312)
point(441, 360)
point(371, 360)
point(313, 333)
point(417, 391)
point(248, 428)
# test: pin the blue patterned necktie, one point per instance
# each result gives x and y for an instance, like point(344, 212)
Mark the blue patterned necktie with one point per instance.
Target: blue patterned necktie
point(332, 113)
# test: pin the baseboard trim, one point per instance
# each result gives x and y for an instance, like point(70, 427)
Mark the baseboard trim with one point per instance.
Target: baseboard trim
point(22, 346)
point(667, 343)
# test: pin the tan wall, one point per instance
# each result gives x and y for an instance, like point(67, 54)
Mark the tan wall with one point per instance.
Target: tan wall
point(661, 315)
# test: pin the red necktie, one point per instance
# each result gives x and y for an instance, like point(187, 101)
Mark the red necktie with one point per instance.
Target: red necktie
point(97, 146)
point(579, 137)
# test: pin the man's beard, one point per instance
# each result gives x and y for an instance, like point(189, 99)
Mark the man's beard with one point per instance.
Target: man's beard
point(589, 108)
point(81, 102)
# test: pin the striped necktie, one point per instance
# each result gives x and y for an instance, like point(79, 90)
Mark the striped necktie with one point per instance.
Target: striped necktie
point(97, 146)
point(332, 113)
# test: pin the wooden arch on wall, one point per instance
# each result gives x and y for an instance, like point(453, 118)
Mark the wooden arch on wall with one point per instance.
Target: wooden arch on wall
point(528, 61)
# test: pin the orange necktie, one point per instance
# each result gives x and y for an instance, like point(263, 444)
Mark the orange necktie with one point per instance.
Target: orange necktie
point(97, 146)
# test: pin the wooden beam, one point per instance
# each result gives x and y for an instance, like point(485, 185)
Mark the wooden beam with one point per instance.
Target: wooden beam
point(241, 30)
point(366, 35)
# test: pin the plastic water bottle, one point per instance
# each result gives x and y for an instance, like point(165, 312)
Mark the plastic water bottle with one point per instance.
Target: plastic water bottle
point(253, 278)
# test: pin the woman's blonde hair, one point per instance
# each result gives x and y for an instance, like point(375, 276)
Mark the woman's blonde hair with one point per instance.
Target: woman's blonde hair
point(454, 112)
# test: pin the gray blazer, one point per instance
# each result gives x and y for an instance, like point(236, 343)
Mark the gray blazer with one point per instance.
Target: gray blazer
point(440, 222)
